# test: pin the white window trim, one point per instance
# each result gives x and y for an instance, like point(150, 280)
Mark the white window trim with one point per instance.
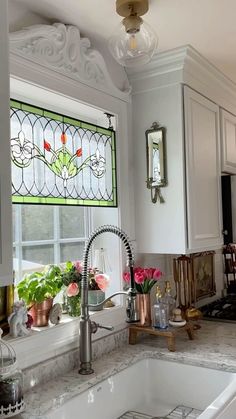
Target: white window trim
point(31, 79)
point(53, 340)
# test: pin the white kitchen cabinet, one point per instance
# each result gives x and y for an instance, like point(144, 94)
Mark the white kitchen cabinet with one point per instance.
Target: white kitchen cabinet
point(190, 219)
point(203, 189)
point(6, 276)
point(228, 145)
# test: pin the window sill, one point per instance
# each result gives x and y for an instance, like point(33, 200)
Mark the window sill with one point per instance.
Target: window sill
point(47, 342)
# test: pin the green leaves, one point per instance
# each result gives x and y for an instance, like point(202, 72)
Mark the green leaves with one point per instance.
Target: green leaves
point(70, 274)
point(62, 164)
point(38, 286)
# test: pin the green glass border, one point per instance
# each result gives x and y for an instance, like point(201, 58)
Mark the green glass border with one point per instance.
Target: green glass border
point(61, 201)
point(77, 123)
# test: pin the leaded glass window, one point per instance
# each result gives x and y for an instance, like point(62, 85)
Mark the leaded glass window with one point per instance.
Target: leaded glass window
point(60, 160)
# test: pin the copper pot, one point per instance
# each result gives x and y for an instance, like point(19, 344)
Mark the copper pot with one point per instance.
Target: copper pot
point(144, 307)
point(40, 312)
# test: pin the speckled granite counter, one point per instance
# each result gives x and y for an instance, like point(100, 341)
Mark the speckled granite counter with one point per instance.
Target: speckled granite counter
point(214, 347)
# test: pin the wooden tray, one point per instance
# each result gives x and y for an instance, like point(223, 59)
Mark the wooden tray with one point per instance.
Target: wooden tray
point(170, 333)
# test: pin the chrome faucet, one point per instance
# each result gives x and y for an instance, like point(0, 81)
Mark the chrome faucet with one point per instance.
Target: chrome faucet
point(87, 327)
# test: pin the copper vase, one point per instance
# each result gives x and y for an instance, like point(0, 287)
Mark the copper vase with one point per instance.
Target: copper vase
point(40, 312)
point(144, 307)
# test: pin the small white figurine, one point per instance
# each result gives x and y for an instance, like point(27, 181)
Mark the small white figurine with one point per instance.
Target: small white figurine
point(18, 319)
point(177, 315)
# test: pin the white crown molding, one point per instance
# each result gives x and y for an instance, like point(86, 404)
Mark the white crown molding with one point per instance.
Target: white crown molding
point(187, 66)
point(60, 48)
point(178, 59)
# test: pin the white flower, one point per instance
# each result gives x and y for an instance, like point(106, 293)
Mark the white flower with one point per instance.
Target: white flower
point(98, 164)
point(21, 150)
point(65, 175)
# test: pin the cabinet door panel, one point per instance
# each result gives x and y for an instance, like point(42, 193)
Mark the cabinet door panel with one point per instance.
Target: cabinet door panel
point(228, 138)
point(5, 163)
point(202, 172)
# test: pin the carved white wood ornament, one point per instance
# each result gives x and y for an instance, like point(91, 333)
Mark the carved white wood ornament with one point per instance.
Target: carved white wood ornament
point(61, 48)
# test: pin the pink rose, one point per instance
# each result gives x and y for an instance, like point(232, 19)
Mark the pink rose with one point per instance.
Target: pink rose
point(102, 281)
point(78, 266)
point(126, 276)
point(72, 290)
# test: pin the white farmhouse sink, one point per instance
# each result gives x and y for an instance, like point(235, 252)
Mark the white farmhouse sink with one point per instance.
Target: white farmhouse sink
point(153, 387)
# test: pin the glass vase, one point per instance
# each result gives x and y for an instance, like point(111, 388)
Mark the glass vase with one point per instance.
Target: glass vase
point(96, 297)
point(74, 306)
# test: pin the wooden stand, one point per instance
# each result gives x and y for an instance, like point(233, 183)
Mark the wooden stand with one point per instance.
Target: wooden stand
point(169, 333)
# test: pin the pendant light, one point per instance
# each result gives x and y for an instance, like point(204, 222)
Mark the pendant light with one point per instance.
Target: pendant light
point(134, 41)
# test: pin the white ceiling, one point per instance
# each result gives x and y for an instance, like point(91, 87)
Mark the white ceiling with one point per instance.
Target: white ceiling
point(208, 25)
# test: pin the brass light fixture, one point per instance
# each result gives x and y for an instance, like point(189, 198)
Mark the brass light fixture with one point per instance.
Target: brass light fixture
point(134, 41)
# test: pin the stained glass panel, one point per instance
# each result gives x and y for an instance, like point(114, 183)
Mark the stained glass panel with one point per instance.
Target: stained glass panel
point(60, 160)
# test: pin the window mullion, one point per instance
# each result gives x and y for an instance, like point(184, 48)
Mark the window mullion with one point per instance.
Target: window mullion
point(88, 227)
point(19, 239)
point(56, 220)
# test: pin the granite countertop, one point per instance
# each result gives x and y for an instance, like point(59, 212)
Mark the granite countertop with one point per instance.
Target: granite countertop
point(214, 347)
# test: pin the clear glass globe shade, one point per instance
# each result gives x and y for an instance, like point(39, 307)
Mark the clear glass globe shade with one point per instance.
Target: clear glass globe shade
point(133, 49)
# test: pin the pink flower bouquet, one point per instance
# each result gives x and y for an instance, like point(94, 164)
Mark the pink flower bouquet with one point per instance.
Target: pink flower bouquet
point(145, 278)
point(72, 276)
point(97, 281)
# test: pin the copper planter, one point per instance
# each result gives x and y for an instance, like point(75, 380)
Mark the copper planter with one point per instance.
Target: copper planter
point(40, 312)
point(144, 307)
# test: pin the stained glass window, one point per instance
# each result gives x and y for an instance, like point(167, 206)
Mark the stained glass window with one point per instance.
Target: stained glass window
point(60, 160)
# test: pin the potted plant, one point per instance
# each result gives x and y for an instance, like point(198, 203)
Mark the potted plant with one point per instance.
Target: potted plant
point(38, 289)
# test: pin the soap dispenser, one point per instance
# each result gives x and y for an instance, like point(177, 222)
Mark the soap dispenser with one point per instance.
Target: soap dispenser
point(169, 300)
point(160, 311)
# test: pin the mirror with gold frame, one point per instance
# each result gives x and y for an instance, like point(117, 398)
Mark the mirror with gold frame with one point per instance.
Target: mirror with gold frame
point(156, 160)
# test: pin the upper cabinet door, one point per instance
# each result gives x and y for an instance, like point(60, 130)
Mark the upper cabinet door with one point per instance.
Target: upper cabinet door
point(202, 172)
point(228, 138)
point(6, 276)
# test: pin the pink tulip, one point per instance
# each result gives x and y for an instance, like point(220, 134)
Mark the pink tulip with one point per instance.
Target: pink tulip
point(126, 276)
point(72, 290)
point(138, 270)
point(157, 274)
point(79, 266)
point(149, 272)
point(139, 277)
point(102, 281)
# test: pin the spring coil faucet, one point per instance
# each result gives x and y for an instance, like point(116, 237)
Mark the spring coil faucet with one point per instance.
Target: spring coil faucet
point(87, 327)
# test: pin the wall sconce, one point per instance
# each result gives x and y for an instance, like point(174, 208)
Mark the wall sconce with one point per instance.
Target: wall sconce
point(156, 161)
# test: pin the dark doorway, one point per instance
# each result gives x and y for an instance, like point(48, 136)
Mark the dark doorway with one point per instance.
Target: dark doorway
point(227, 209)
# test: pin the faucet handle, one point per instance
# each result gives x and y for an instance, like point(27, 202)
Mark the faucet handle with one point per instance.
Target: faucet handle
point(95, 326)
point(100, 326)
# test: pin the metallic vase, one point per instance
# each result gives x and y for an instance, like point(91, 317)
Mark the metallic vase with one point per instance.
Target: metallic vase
point(40, 312)
point(144, 308)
